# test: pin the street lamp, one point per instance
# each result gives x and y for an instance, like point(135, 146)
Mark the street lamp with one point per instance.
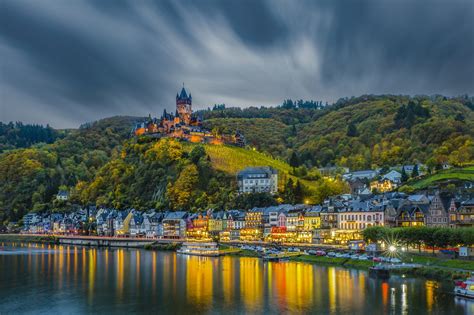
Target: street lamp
point(392, 248)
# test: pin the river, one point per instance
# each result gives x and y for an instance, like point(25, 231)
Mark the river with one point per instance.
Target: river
point(43, 279)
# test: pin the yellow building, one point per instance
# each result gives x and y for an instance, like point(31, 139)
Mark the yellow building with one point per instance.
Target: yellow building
point(382, 185)
point(199, 228)
point(311, 221)
point(251, 234)
point(254, 219)
point(282, 235)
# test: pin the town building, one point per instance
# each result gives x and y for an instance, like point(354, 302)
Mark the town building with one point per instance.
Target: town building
point(258, 179)
point(438, 211)
point(461, 213)
point(382, 185)
point(393, 176)
point(410, 215)
point(174, 225)
point(365, 174)
point(62, 195)
point(357, 186)
point(360, 215)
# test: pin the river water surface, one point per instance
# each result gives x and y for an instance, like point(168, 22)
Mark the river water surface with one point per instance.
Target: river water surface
point(42, 279)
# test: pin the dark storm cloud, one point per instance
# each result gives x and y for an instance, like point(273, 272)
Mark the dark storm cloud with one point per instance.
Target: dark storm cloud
point(66, 62)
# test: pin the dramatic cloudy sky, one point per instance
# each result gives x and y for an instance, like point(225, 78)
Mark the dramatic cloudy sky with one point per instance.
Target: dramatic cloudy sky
point(65, 62)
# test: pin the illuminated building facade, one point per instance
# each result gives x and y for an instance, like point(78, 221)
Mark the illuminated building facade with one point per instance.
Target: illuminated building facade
point(185, 125)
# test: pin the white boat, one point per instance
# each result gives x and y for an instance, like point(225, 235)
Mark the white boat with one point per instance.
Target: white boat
point(199, 249)
point(465, 288)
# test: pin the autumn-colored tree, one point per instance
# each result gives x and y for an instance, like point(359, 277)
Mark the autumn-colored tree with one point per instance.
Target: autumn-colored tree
point(180, 194)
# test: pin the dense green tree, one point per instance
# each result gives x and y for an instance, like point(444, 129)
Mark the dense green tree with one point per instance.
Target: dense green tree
point(404, 176)
point(197, 153)
point(249, 201)
point(298, 192)
point(352, 130)
point(294, 160)
point(289, 192)
point(415, 173)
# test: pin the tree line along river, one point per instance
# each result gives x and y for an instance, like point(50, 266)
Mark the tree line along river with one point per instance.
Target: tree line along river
point(43, 279)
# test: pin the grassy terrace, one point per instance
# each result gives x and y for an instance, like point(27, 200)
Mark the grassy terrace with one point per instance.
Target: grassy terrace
point(466, 173)
point(230, 159)
point(440, 262)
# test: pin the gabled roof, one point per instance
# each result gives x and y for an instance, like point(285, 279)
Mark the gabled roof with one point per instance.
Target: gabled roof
point(469, 202)
point(265, 170)
point(412, 208)
point(176, 215)
point(63, 193)
point(416, 198)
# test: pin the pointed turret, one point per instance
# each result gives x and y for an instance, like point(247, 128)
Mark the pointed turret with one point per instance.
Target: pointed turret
point(184, 106)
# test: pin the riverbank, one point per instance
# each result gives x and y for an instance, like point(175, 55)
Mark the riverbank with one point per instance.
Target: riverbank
point(427, 272)
point(43, 239)
point(432, 268)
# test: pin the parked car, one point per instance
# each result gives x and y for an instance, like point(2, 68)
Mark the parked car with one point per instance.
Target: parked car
point(395, 260)
point(377, 259)
point(312, 252)
point(331, 254)
point(320, 253)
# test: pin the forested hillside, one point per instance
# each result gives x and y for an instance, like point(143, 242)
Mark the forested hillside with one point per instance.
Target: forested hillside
point(101, 164)
point(29, 178)
point(19, 135)
point(363, 132)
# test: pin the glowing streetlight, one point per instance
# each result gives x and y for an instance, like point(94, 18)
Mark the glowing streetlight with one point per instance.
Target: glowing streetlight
point(392, 248)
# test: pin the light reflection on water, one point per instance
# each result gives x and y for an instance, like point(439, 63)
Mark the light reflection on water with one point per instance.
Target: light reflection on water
point(76, 280)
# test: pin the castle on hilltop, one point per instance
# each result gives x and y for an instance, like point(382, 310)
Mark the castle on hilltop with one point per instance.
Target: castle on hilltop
point(184, 125)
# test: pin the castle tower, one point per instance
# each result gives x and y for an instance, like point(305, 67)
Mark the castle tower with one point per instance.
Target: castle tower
point(183, 106)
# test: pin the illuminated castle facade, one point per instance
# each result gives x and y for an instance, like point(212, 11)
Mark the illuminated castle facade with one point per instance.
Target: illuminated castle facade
point(184, 125)
point(184, 106)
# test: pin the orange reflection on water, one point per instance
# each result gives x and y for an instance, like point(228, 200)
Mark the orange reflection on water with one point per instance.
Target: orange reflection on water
point(385, 292)
point(137, 265)
point(153, 271)
point(429, 288)
point(332, 288)
point(228, 281)
point(199, 280)
point(120, 272)
point(293, 284)
point(60, 265)
point(92, 273)
point(251, 282)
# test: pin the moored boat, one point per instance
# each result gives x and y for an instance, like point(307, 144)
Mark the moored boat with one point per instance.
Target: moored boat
point(379, 271)
point(199, 249)
point(465, 288)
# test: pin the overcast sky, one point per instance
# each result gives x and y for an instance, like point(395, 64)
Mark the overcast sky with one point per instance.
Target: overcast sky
point(65, 62)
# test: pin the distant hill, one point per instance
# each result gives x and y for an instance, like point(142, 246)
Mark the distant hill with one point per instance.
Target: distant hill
point(19, 135)
point(364, 132)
